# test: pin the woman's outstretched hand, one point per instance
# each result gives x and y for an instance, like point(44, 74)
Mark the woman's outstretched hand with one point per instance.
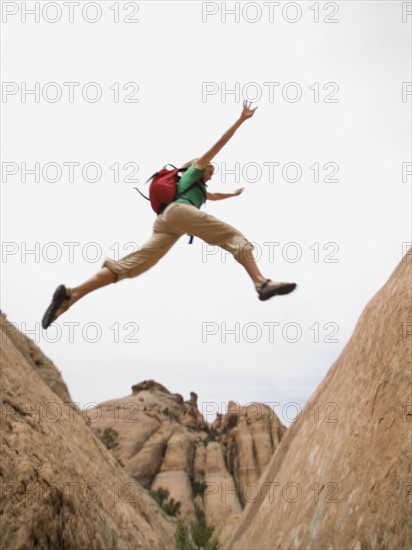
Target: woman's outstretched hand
point(238, 192)
point(247, 112)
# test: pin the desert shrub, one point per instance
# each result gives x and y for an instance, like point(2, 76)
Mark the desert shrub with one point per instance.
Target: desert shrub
point(161, 496)
point(199, 488)
point(172, 507)
point(195, 535)
point(108, 436)
point(201, 533)
point(181, 542)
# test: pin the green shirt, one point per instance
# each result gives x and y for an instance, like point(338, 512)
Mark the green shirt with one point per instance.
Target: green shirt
point(195, 196)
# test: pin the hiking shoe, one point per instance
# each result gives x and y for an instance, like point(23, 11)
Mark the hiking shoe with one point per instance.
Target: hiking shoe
point(60, 300)
point(265, 292)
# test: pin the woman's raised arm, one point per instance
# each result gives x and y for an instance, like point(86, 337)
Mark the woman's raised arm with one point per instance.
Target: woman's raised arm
point(247, 112)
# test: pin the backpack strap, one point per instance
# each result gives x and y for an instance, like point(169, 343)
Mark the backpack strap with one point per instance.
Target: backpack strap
point(165, 166)
point(192, 186)
point(146, 182)
point(144, 196)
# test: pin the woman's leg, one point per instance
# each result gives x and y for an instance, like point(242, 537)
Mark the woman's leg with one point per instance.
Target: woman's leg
point(216, 232)
point(102, 278)
point(130, 266)
point(247, 260)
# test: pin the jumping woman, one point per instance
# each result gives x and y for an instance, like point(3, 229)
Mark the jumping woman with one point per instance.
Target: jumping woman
point(181, 216)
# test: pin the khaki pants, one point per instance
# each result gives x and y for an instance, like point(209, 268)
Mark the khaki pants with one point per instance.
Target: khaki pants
point(179, 219)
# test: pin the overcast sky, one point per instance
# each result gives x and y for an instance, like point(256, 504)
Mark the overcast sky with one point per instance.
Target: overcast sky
point(325, 162)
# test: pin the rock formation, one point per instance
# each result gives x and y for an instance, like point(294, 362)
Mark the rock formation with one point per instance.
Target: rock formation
point(341, 476)
point(165, 443)
point(251, 435)
point(56, 468)
point(60, 486)
point(35, 357)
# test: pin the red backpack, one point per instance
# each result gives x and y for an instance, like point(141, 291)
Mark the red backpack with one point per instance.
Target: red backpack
point(163, 188)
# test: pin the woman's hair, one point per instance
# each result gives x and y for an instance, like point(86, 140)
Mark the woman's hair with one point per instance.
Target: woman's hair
point(188, 164)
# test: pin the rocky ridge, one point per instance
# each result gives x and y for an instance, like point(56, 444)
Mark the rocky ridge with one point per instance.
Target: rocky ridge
point(343, 480)
point(337, 478)
point(54, 458)
point(164, 442)
point(61, 487)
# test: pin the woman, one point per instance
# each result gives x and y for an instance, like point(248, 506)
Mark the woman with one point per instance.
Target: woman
point(182, 216)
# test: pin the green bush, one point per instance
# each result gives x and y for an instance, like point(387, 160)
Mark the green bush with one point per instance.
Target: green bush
point(201, 533)
point(199, 488)
point(109, 437)
point(181, 542)
point(171, 507)
point(195, 535)
point(161, 496)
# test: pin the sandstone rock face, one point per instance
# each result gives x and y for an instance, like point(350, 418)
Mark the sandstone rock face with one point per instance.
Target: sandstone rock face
point(165, 443)
point(176, 471)
point(60, 486)
point(222, 505)
point(251, 435)
point(157, 440)
point(341, 476)
point(34, 356)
